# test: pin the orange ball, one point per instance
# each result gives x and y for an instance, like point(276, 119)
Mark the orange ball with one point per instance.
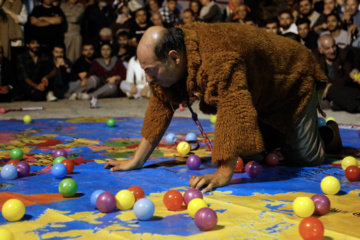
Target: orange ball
point(311, 228)
point(173, 200)
point(69, 164)
point(137, 191)
point(13, 162)
point(239, 165)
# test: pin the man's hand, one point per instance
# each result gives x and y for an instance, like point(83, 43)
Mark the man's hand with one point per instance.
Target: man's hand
point(83, 82)
point(326, 90)
point(123, 165)
point(352, 28)
point(112, 79)
point(4, 89)
point(40, 87)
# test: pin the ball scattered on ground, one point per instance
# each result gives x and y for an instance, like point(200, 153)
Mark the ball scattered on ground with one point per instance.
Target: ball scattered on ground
point(193, 162)
point(330, 119)
point(303, 207)
point(213, 119)
point(330, 185)
point(144, 209)
point(13, 210)
point(16, 153)
point(205, 219)
point(6, 235)
point(111, 122)
point(239, 165)
point(173, 200)
point(272, 159)
point(59, 171)
point(191, 137)
point(321, 122)
point(69, 164)
point(68, 187)
point(322, 204)
point(253, 169)
point(60, 152)
point(183, 148)
point(58, 160)
point(2, 110)
point(195, 205)
point(125, 199)
point(9, 172)
point(106, 202)
point(171, 138)
point(348, 161)
point(137, 191)
point(311, 228)
point(13, 162)
point(94, 197)
point(27, 119)
point(352, 173)
point(191, 194)
point(23, 169)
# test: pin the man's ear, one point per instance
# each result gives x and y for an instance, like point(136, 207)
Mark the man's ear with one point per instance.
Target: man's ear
point(175, 56)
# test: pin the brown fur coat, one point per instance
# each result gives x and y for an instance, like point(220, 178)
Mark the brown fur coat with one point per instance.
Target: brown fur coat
point(243, 74)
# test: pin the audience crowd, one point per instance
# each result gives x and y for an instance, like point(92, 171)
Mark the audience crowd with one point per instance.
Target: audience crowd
point(85, 49)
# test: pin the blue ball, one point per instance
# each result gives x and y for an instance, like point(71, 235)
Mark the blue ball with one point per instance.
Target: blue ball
point(144, 209)
point(9, 172)
point(171, 138)
point(191, 137)
point(321, 122)
point(94, 197)
point(59, 170)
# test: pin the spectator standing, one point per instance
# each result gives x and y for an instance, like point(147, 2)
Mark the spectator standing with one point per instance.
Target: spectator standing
point(307, 37)
point(169, 13)
point(210, 11)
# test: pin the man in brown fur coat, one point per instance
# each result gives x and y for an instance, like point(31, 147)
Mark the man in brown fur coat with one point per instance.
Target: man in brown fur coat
point(254, 81)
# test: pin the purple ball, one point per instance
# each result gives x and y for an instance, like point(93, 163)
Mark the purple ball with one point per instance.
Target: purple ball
point(205, 219)
point(322, 204)
point(193, 162)
point(106, 202)
point(253, 169)
point(23, 169)
point(59, 152)
point(359, 133)
point(190, 194)
point(272, 159)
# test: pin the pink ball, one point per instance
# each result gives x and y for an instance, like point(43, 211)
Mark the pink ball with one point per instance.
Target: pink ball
point(2, 110)
point(106, 202)
point(322, 204)
point(253, 169)
point(193, 162)
point(23, 169)
point(59, 152)
point(205, 219)
point(190, 194)
point(272, 159)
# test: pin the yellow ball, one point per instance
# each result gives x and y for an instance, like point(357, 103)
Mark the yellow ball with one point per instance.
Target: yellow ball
point(6, 235)
point(13, 210)
point(195, 205)
point(304, 207)
point(330, 118)
point(348, 161)
point(183, 148)
point(330, 185)
point(213, 119)
point(27, 119)
point(125, 200)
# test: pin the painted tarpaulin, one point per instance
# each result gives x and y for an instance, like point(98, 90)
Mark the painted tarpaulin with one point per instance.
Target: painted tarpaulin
point(248, 208)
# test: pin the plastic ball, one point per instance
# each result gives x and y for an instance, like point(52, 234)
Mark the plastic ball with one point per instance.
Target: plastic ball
point(23, 169)
point(330, 119)
point(191, 137)
point(195, 205)
point(59, 171)
point(2, 110)
point(272, 159)
point(348, 161)
point(352, 173)
point(239, 165)
point(191, 194)
point(173, 200)
point(13, 210)
point(111, 122)
point(183, 148)
point(193, 162)
point(125, 199)
point(205, 219)
point(213, 119)
point(68, 187)
point(181, 108)
point(253, 169)
point(144, 209)
point(6, 235)
point(60, 152)
point(27, 119)
point(13, 162)
point(311, 228)
point(58, 160)
point(303, 207)
point(322, 204)
point(106, 202)
point(9, 172)
point(171, 138)
point(137, 191)
point(330, 185)
point(359, 133)
point(94, 197)
point(16, 153)
point(321, 122)
point(69, 164)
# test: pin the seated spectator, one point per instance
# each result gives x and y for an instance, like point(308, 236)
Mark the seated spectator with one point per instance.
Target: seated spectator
point(291, 6)
point(188, 16)
point(7, 78)
point(169, 13)
point(272, 25)
point(238, 15)
point(35, 71)
point(106, 35)
point(153, 7)
point(330, 6)
point(123, 50)
point(307, 37)
point(13, 16)
point(158, 21)
point(351, 17)
point(292, 36)
point(135, 85)
point(231, 10)
point(138, 26)
point(342, 90)
point(195, 6)
point(122, 13)
point(250, 20)
point(306, 10)
point(342, 38)
point(104, 76)
point(286, 22)
point(210, 11)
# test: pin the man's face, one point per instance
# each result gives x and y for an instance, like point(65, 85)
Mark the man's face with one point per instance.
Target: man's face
point(303, 30)
point(305, 8)
point(250, 23)
point(156, 19)
point(272, 28)
point(328, 48)
point(351, 6)
point(141, 17)
point(242, 12)
point(88, 51)
point(285, 21)
point(123, 40)
point(171, 5)
point(153, 5)
point(48, 2)
point(329, 6)
point(332, 23)
point(58, 52)
point(33, 46)
point(188, 17)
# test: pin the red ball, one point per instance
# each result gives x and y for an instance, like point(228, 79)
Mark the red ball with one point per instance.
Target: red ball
point(239, 165)
point(272, 159)
point(69, 164)
point(2, 110)
point(173, 200)
point(137, 191)
point(352, 173)
point(311, 228)
point(13, 162)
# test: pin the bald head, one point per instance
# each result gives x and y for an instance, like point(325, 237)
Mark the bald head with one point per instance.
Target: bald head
point(327, 47)
point(326, 39)
point(149, 40)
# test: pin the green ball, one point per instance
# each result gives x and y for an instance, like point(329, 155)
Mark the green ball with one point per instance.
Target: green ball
point(16, 153)
point(58, 160)
point(111, 122)
point(68, 187)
